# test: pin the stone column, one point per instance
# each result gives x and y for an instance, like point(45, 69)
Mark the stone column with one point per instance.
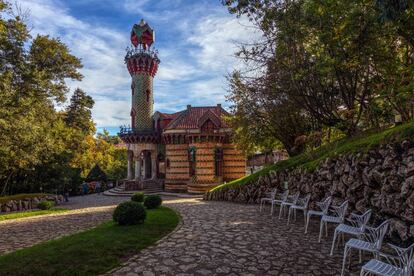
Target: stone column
point(144, 168)
point(137, 169)
point(153, 165)
point(129, 174)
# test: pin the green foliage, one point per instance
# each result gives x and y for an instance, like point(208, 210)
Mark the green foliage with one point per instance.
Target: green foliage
point(45, 205)
point(43, 149)
point(310, 160)
point(341, 65)
point(31, 213)
point(152, 201)
point(129, 213)
point(108, 246)
point(78, 113)
point(138, 197)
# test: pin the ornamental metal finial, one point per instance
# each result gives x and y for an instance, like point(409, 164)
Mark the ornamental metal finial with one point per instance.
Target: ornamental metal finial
point(142, 34)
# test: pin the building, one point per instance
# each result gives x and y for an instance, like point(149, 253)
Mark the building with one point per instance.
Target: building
point(187, 151)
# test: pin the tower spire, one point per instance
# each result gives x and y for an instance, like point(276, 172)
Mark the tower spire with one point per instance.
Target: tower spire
point(142, 63)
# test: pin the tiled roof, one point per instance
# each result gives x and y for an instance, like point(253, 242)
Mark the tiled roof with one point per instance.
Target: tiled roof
point(167, 116)
point(190, 118)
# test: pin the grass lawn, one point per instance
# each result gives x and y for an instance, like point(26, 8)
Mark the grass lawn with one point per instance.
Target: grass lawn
point(31, 213)
point(91, 252)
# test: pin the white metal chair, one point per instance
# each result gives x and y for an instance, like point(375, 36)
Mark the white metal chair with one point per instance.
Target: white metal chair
point(371, 241)
point(356, 227)
point(337, 218)
point(302, 205)
point(401, 265)
point(323, 206)
point(290, 201)
point(270, 196)
point(283, 197)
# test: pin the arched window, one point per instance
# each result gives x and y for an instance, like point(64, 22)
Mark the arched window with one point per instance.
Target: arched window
point(218, 162)
point(192, 160)
point(132, 88)
point(133, 118)
point(147, 92)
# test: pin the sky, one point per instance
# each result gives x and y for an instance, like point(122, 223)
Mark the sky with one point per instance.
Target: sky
point(196, 40)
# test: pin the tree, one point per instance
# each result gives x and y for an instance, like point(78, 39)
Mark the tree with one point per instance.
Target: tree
point(336, 59)
point(78, 113)
point(32, 81)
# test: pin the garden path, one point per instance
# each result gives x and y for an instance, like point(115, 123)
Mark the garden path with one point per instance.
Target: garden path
point(221, 238)
point(86, 212)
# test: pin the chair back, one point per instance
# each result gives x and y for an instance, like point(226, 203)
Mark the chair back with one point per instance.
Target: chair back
point(304, 202)
point(284, 195)
point(295, 198)
point(273, 193)
point(341, 210)
point(379, 233)
point(324, 205)
point(406, 258)
point(363, 221)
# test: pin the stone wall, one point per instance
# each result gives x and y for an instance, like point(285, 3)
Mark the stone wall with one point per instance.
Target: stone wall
point(381, 178)
point(28, 203)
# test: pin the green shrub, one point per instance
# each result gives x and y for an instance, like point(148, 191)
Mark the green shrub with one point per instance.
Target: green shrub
point(45, 205)
point(138, 197)
point(129, 213)
point(152, 201)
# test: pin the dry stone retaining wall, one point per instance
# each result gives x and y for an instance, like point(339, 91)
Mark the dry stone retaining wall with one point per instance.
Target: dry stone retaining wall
point(28, 203)
point(381, 178)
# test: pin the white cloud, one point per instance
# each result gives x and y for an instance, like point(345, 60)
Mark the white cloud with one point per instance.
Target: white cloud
point(194, 61)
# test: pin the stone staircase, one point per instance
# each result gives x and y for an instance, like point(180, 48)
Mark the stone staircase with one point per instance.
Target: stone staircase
point(150, 187)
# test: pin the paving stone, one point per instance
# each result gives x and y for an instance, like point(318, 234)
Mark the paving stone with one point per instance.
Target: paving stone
point(221, 238)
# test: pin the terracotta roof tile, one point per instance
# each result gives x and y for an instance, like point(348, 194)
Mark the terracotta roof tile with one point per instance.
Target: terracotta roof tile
point(189, 118)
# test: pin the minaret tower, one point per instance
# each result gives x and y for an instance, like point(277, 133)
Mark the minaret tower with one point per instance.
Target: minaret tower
point(142, 63)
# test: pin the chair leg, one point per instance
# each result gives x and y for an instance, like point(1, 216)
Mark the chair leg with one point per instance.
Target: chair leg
point(320, 230)
point(307, 223)
point(347, 251)
point(281, 210)
point(304, 216)
point(333, 241)
point(261, 203)
point(326, 229)
point(360, 256)
point(362, 273)
point(289, 214)
point(271, 209)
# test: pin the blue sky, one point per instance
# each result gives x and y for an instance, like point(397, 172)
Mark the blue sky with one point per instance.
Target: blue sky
point(196, 42)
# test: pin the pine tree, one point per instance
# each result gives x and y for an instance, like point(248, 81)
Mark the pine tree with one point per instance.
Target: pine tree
point(79, 113)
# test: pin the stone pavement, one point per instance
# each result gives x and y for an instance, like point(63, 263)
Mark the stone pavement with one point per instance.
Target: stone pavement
point(221, 238)
point(88, 211)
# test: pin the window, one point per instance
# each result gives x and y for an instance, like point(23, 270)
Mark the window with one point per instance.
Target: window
point(168, 163)
point(192, 160)
point(148, 94)
point(133, 118)
point(218, 162)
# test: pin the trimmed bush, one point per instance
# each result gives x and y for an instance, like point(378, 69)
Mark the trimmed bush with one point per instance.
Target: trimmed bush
point(45, 205)
point(129, 213)
point(152, 201)
point(138, 197)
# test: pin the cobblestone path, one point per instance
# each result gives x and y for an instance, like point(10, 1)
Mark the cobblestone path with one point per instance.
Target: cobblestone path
point(88, 211)
point(219, 238)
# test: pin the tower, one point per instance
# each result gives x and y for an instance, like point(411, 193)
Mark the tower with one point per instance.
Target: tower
point(142, 63)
